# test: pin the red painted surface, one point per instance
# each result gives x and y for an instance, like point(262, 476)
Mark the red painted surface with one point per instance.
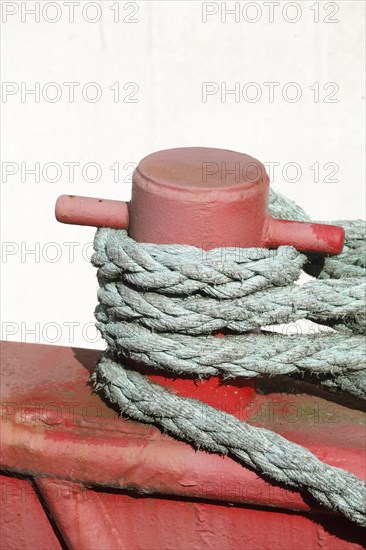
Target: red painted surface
point(88, 210)
point(24, 524)
point(158, 523)
point(311, 237)
point(139, 488)
point(203, 197)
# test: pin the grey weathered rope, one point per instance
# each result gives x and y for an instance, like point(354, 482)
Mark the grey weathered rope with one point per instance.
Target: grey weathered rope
point(159, 304)
point(352, 261)
point(184, 270)
point(336, 302)
point(215, 431)
point(352, 382)
point(285, 209)
point(248, 355)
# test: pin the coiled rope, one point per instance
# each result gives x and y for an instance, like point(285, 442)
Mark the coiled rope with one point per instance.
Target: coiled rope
point(159, 304)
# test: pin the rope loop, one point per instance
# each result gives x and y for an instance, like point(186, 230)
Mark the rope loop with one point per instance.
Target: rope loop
point(160, 304)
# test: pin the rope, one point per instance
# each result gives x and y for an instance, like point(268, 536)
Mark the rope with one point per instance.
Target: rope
point(212, 430)
point(335, 302)
point(265, 355)
point(159, 304)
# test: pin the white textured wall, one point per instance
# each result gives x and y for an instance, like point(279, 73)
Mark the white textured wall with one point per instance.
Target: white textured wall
point(168, 53)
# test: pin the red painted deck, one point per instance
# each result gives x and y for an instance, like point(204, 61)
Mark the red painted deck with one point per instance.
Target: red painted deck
point(75, 475)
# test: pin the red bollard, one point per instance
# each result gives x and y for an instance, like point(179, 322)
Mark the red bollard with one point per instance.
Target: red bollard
point(82, 472)
point(202, 197)
point(207, 198)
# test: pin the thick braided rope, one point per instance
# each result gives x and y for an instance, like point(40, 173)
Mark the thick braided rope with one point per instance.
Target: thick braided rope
point(133, 278)
point(333, 302)
point(159, 304)
point(247, 356)
point(208, 428)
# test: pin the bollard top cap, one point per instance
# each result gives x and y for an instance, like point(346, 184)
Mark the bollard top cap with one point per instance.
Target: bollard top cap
point(201, 168)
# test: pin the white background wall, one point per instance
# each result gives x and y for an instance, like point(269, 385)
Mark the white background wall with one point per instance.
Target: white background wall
point(168, 53)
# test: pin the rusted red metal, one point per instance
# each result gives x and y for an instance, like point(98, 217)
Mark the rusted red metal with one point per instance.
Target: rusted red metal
point(87, 210)
point(157, 523)
point(107, 482)
point(203, 197)
point(24, 523)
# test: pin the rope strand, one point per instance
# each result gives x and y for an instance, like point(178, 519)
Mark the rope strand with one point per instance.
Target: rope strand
point(205, 428)
point(159, 304)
